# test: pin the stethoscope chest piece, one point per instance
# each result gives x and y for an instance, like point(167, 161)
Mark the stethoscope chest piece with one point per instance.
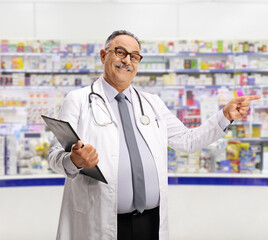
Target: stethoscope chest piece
point(145, 120)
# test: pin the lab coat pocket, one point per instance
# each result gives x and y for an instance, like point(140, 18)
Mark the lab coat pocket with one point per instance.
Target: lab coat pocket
point(80, 190)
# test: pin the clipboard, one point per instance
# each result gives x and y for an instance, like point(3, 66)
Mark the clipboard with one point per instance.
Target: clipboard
point(66, 136)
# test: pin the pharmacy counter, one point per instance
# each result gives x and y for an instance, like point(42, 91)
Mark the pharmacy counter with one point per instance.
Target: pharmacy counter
point(32, 180)
point(216, 206)
point(218, 179)
point(173, 179)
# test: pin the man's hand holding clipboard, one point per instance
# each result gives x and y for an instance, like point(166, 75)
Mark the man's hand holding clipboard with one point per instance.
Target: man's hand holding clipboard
point(84, 156)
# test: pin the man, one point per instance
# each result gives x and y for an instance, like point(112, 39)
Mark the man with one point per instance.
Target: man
point(123, 131)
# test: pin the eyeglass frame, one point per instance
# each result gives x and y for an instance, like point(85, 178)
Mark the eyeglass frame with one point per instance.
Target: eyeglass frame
point(128, 53)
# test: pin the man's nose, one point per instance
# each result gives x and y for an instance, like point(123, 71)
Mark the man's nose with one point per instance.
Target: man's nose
point(126, 60)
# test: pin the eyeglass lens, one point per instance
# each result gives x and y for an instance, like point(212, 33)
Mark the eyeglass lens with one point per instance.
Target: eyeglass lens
point(121, 53)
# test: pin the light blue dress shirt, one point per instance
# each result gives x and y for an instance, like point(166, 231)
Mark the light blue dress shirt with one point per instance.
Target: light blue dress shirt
point(125, 189)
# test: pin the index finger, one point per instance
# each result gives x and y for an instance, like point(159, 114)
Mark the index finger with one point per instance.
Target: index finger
point(252, 97)
point(246, 98)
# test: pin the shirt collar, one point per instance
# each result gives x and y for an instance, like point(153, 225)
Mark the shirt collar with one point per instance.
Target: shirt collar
point(111, 92)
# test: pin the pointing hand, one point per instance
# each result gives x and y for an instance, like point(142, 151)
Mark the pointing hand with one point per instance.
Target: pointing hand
point(238, 107)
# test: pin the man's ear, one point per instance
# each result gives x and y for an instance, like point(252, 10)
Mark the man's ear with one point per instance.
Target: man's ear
point(102, 55)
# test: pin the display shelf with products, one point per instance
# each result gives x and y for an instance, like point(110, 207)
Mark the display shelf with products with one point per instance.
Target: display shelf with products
point(190, 56)
point(36, 75)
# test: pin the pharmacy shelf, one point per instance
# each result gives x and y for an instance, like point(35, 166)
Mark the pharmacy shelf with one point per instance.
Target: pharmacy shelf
point(33, 176)
point(155, 87)
point(43, 87)
point(196, 54)
point(145, 54)
point(12, 108)
point(184, 54)
point(257, 54)
point(225, 179)
point(51, 71)
point(154, 71)
point(238, 70)
point(163, 87)
point(245, 123)
point(182, 107)
point(250, 70)
point(64, 54)
point(12, 71)
point(198, 71)
point(262, 139)
point(187, 54)
point(181, 54)
point(140, 71)
point(21, 124)
point(260, 107)
point(23, 54)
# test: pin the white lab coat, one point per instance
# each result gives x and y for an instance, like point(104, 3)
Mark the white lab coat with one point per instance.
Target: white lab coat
point(89, 207)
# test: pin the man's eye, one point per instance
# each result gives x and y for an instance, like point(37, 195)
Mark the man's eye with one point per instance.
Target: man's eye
point(121, 52)
point(135, 56)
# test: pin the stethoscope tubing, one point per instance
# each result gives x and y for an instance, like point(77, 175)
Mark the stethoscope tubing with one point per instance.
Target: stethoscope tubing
point(93, 93)
point(145, 120)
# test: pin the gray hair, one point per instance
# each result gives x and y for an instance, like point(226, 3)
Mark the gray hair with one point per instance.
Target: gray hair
point(120, 32)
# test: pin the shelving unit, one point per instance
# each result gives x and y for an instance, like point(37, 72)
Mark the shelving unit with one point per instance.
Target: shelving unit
point(155, 65)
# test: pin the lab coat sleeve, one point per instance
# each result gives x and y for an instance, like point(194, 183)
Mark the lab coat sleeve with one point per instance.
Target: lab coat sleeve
point(189, 140)
point(57, 157)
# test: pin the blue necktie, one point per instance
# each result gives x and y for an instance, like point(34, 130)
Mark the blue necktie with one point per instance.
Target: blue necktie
point(134, 154)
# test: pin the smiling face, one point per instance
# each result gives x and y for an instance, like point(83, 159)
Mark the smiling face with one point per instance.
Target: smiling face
point(119, 72)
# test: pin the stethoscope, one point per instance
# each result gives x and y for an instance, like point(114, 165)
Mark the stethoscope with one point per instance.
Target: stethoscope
point(144, 119)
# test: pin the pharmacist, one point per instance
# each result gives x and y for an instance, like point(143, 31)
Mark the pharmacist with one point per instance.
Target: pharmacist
point(126, 132)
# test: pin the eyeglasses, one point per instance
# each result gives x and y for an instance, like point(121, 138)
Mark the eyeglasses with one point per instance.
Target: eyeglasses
point(122, 53)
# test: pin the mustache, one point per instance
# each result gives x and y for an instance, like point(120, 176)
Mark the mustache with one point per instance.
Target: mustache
point(124, 66)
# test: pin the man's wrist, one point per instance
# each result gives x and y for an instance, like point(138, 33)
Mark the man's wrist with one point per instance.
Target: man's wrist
point(69, 165)
point(226, 114)
point(222, 120)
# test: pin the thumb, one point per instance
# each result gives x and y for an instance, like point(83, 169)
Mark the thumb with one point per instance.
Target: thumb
point(77, 146)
